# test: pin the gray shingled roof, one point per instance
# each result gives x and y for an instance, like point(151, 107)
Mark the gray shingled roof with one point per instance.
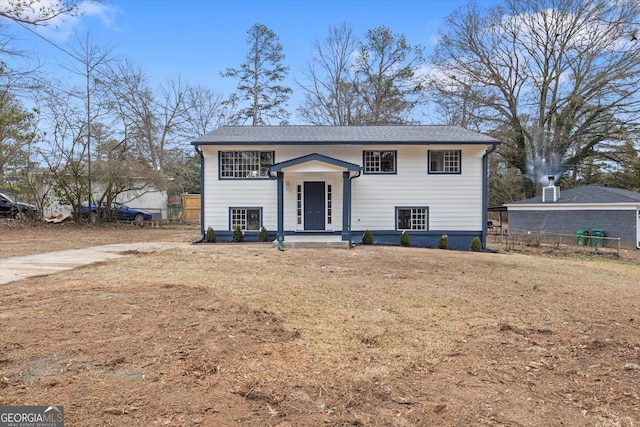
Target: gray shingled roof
point(588, 194)
point(343, 135)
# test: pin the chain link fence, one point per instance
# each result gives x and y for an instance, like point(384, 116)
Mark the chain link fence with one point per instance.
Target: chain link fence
point(540, 242)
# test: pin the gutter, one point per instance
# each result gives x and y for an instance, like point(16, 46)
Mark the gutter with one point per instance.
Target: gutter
point(202, 233)
point(351, 178)
point(280, 236)
point(485, 192)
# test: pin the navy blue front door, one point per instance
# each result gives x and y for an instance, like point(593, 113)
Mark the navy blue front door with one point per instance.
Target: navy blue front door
point(314, 205)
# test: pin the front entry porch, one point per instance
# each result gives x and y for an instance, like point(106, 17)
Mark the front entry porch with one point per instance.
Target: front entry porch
point(313, 190)
point(313, 241)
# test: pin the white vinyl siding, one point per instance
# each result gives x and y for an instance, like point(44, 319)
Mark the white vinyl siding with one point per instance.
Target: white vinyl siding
point(454, 200)
point(222, 194)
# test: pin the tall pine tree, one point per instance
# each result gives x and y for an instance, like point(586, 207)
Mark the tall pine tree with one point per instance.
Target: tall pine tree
point(260, 97)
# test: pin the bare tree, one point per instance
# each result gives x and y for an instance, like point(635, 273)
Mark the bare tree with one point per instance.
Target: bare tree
point(329, 81)
point(623, 165)
point(554, 79)
point(157, 124)
point(115, 167)
point(90, 62)
point(260, 93)
point(63, 146)
point(388, 80)
point(354, 82)
point(13, 78)
point(118, 170)
point(205, 110)
point(151, 121)
point(36, 12)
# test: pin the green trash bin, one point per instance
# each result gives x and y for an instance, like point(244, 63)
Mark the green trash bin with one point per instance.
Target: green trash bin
point(597, 238)
point(581, 237)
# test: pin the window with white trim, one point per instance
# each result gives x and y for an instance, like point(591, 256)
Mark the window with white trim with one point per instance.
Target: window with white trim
point(411, 218)
point(246, 218)
point(444, 161)
point(380, 162)
point(245, 164)
point(329, 203)
point(299, 203)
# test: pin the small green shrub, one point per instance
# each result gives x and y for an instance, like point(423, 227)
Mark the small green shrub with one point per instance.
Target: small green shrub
point(263, 235)
point(476, 246)
point(405, 239)
point(210, 235)
point(367, 238)
point(443, 243)
point(237, 235)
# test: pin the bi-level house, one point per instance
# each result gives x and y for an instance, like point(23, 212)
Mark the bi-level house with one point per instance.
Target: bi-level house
point(343, 180)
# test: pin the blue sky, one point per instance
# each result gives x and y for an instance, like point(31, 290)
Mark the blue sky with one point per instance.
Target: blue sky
point(197, 39)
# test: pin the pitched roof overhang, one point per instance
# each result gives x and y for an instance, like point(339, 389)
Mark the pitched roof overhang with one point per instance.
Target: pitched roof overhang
point(315, 157)
point(344, 135)
point(558, 206)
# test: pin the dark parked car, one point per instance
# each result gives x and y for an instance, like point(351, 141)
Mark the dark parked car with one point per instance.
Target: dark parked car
point(16, 210)
point(119, 211)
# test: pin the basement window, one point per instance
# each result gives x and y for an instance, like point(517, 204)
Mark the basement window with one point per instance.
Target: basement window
point(412, 218)
point(246, 218)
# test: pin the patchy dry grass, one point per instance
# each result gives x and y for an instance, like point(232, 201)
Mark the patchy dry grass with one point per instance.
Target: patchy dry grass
point(363, 336)
point(375, 312)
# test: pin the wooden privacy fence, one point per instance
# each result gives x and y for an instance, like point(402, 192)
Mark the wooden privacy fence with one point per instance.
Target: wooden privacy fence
point(185, 207)
point(191, 207)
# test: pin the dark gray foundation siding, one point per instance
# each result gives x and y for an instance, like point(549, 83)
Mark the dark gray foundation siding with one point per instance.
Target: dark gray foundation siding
point(427, 239)
point(615, 223)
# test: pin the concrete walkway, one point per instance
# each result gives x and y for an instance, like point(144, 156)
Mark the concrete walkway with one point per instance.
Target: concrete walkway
point(22, 267)
point(313, 241)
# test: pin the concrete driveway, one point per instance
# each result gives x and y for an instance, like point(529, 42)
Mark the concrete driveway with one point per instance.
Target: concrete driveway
point(22, 267)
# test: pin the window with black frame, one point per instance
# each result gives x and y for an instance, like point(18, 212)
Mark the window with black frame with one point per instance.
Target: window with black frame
point(444, 161)
point(379, 162)
point(411, 218)
point(246, 218)
point(245, 164)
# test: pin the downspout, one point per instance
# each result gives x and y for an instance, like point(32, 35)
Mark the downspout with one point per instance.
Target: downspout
point(351, 202)
point(202, 233)
point(280, 225)
point(280, 180)
point(485, 192)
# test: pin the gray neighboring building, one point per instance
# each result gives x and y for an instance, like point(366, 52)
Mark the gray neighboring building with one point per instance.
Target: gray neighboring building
point(589, 208)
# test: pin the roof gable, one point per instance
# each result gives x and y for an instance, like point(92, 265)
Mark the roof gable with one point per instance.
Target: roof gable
point(315, 158)
point(433, 134)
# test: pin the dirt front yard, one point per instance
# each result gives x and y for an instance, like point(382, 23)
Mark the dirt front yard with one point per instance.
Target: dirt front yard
point(246, 335)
